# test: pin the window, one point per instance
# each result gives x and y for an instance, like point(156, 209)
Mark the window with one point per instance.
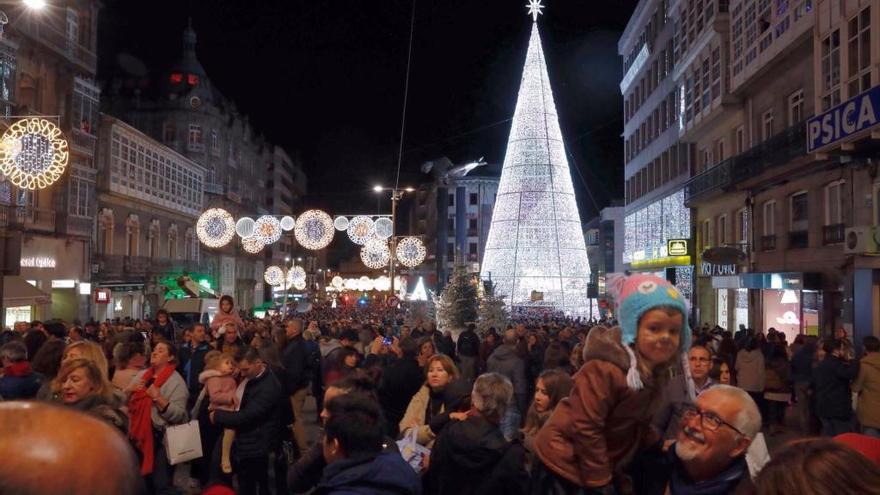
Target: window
point(7, 79)
point(716, 73)
point(740, 139)
point(770, 218)
point(798, 212)
point(194, 141)
point(722, 230)
point(831, 70)
point(707, 234)
point(169, 133)
point(719, 150)
point(472, 248)
point(767, 125)
point(153, 240)
point(796, 107)
point(452, 200)
point(132, 231)
point(215, 141)
point(82, 197)
point(472, 223)
point(834, 203)
point(742, 226)
point(474, 198)
point(84, 105)
point(859, 49)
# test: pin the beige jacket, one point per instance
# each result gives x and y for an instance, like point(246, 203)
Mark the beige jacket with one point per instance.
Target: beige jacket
point(415, 414)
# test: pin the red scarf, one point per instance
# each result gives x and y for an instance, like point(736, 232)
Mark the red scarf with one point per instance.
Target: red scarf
point(21, 368)
point(141, 424)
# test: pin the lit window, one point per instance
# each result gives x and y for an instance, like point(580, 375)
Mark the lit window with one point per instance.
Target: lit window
point(192, 79)
point(176, 78)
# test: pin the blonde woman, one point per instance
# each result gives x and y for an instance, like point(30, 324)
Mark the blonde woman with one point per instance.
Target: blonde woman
point(430, 408)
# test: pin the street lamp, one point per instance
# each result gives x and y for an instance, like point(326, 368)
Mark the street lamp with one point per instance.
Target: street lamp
point(396, 194)
point(35, 4)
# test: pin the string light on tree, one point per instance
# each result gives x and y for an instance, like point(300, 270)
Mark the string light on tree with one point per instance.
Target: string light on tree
point(273, 275)
point(268, 229)
point(33, 154)
point(215, 228)
point(341, 223)
point(314, 229)
point(410, 251)
point(360, 228)
point(252, 244)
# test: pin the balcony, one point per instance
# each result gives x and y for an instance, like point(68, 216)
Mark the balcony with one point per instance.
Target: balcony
point(725, 176)
point(39, 29)
point(81, 226)
point(117, 266)
point(833, 234)
point(768, 242)
point(82, 143)
point(798, 239)
point(212, 188)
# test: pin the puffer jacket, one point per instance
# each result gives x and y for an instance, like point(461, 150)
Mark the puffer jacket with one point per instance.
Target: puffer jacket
point(868, 386)
point(594, 433)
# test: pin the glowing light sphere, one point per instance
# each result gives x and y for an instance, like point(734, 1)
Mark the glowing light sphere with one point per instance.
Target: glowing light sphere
point(244, 227)
point(375, 254)
point(338, 282)
point(341, 223)
point(383, 227)
point(382, 283)
point(287, 223)
point(359, 229)
point(273, 275)
point(252, 244)
point(215, 228)
point(365, 283)
point(314, 229)
point(268, 229)
point(299, 285)
point(33, 154)
point(410, 251)
point(296, 274)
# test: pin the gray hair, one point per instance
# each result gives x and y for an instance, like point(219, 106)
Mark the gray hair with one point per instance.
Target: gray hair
point(748, 418)
point(14, 351)
point(491, 396)
point(509, 337)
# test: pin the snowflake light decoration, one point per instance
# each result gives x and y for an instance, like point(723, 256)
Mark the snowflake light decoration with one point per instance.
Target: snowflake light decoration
point(33, 154)
point(244, 227)
point(252, 244)
point(288, 223)
point(359, 229)
point(341, 223)
point(273, 275)
point(215, 228)
point(375, 254)
point(268, 229)
point(535, 9)
point(314, 229)
point(383, 227)
point(410, 251)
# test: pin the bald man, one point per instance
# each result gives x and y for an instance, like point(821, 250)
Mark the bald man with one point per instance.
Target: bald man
point(51, 450)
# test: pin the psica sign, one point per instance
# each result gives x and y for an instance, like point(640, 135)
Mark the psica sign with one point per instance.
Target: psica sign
point(851, 117)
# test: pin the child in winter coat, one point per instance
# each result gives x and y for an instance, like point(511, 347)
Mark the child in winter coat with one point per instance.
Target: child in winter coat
point(226, 314)
point(594, 433)
point(221, 388)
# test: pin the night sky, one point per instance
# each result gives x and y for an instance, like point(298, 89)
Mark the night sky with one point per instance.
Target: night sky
point(325, 80)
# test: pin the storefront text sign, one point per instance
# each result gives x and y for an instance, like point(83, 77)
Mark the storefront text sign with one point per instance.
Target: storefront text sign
point(850, 117)
point(721, 261)
point(712, 270)
point(677, 247)
point(38, 262)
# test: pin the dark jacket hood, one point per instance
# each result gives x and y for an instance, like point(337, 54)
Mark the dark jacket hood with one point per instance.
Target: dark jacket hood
point(385, 473)
point(505, 352)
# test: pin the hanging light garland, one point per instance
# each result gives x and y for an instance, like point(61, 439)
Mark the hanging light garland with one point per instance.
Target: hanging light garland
point(33, 154)
point(268, 229)
point(288, 223)
point(273, 275)
point(252, 244)
point(359, 229)
point(410, 251)
point(383, 227)
point(314, 229)
point(375, 254)
point(341, 223)
point(215, 228)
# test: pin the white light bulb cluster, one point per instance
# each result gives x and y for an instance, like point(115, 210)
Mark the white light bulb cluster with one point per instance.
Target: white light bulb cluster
point(360, 229)
point(375, 254)
point(273, 275)
point(33, 153)
point(410, 251)
point(535, 241)
point(646, 231)
point(364, 283)
point(215, 228)
point(314, 229)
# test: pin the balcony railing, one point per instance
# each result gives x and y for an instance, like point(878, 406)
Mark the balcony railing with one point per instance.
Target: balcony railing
point(39, 28)
point(798, 239)
point(774, 152)
point(833, 234)
point(83, 142)
point(768, 242)
point(79, 225)
point(116, 265)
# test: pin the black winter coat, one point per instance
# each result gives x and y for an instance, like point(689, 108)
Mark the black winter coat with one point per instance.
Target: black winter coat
point(468, 344)
point(831, 381)
point(472, 457)
point(400, 381)
point(383, 474)
point(295, 359)
point(256, 422)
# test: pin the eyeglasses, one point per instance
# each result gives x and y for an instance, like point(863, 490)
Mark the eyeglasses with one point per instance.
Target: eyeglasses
point(708, 420)
point(699, 360)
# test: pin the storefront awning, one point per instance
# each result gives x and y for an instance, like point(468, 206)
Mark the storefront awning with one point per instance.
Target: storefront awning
point(18, 292)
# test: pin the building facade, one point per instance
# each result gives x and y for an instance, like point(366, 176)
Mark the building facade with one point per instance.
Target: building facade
point(604, 235)
point(47, 68)
point(149, 198)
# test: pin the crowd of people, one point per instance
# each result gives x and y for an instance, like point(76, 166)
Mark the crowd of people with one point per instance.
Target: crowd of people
point(642, 404)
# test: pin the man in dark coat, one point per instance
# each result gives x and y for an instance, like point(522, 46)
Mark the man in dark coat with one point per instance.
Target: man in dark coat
point(295, 359)
point(468, 352)
point(255, 423)
point(400, 381)
point(19, 381)
point(831, 385)
point(192, 363)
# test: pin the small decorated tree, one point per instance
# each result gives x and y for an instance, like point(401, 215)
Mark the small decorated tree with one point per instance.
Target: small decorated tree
point(493, 310)
point(457, 304)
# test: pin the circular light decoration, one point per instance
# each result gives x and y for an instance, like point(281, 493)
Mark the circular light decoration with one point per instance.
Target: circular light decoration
point(341, 223)
point(338, 282)
point(288, 223)
point(252, 244)
point(299, 285)
point(244, 227)
point(273, 275)
point(268, 229)
point(215, 227)
point(314, 229)
point(375, 254)
point(33, 154)
point(296, 274)
point(410, 251)
point(365, 283)
point(359, 229)
point(382, 227)
point(382, 283)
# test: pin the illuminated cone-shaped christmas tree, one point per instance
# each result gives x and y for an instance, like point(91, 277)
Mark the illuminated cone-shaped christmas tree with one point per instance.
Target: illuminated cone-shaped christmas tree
point(535, 253)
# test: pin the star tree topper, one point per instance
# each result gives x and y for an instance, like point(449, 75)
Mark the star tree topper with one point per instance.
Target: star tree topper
point(535, 7)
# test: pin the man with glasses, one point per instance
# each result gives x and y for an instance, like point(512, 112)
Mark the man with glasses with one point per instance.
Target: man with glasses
point(709, 454)
point(679, 393)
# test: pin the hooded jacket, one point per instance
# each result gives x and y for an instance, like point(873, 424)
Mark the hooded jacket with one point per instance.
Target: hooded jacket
point(221, 389)
point(383, 474)
point(507, 361)
point(595, 431)
point(750, 370)
point(868, 386)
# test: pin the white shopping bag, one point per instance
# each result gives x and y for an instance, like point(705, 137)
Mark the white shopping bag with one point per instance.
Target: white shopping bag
point(183, 442)
point(413, 453)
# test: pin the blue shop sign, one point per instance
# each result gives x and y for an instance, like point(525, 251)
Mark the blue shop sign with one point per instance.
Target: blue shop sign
point(850, 117)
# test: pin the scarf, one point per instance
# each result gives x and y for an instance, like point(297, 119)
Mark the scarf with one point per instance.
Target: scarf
point(140, 407)
point(21, 368)
point(725, 482)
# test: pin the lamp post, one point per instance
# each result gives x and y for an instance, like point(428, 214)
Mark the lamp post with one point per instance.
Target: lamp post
point(284, 283)
point(396, 194)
